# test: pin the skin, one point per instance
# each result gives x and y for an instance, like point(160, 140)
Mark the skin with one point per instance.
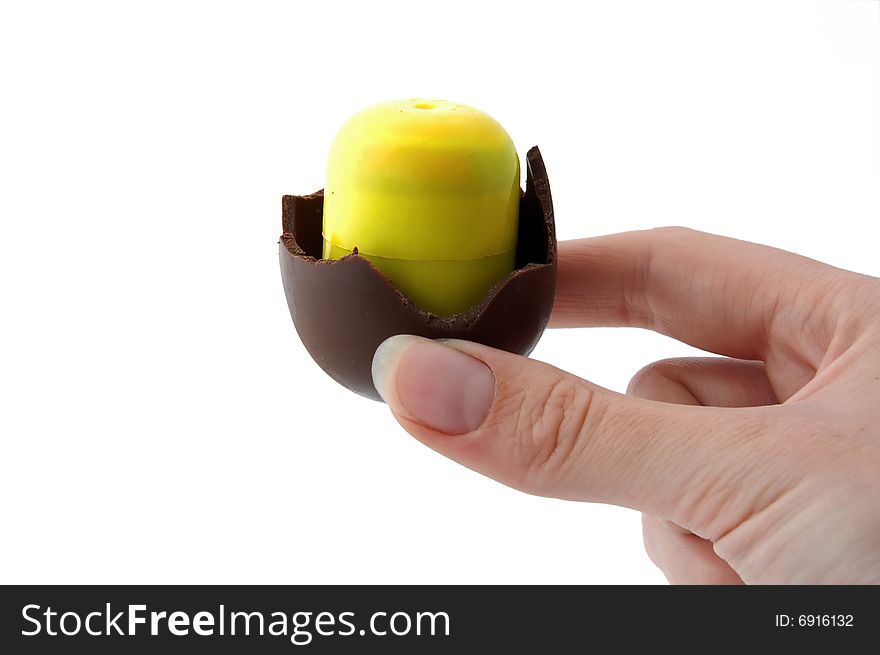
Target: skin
point(762, 466)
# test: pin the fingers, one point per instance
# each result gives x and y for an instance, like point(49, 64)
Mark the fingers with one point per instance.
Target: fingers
point(541, 430)
point(683, 557)
point(710, 381)
point(718, 294)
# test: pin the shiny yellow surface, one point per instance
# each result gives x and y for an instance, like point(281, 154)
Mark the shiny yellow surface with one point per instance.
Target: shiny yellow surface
point(442, 287)
point(428, 190)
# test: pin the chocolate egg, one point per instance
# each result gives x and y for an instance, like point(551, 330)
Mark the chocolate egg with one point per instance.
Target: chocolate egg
point(344, 308)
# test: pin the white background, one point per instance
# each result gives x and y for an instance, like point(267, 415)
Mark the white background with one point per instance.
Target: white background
point(160, 420)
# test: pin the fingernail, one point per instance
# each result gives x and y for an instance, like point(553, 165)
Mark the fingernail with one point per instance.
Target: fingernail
point(433, 383)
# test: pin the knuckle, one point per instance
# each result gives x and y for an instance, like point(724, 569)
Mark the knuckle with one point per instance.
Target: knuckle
point(552, 429)
point(673, 231)
point(653, 373)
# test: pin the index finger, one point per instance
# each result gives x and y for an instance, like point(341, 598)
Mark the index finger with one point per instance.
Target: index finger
point(719, 294)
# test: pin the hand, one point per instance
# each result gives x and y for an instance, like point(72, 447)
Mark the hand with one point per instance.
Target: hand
point(760, 467)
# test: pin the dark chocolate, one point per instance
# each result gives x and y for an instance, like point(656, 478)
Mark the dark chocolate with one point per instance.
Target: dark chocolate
point(343, 309)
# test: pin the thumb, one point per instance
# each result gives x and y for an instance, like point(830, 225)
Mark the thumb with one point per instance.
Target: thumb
point(546, 432)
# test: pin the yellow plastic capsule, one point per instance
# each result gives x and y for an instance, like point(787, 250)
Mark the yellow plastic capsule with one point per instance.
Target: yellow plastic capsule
point(428, 191)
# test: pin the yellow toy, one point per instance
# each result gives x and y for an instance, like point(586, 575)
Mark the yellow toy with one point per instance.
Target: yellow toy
point(428, 191)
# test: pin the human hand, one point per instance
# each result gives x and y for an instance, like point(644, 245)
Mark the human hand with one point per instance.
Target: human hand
point(761, 467)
